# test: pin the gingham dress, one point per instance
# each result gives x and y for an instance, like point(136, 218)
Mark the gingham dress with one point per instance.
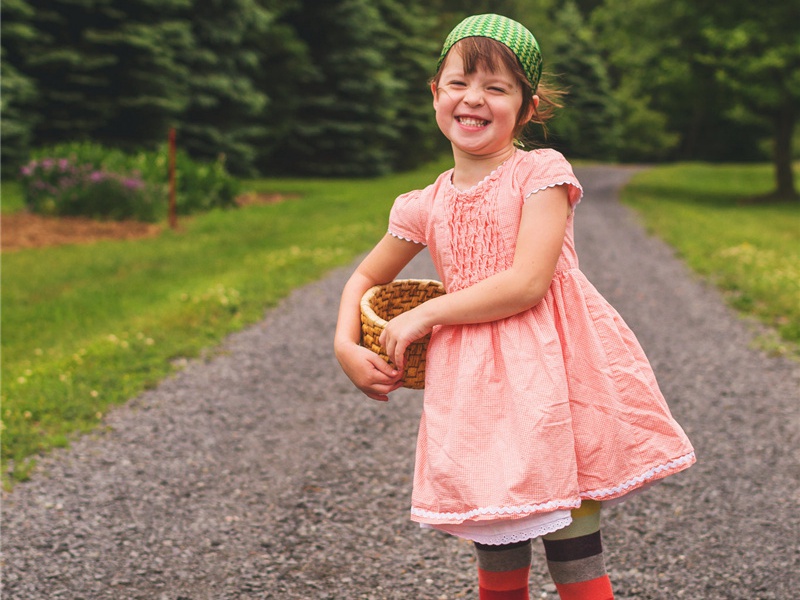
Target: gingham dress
point(526, 416)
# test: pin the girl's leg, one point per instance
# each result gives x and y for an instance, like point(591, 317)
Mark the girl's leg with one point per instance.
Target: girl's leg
point(503, 571)
point(575, 557)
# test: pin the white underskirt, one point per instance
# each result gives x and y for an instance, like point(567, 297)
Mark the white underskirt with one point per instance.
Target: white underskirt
point(506, 531)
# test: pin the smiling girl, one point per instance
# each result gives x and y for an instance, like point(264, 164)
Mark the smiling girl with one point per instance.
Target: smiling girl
point(539, 404)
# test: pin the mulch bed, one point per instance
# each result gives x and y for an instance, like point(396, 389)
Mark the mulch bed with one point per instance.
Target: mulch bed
point(26, 230)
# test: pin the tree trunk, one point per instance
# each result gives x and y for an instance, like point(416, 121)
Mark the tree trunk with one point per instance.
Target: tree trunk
point(784, 130)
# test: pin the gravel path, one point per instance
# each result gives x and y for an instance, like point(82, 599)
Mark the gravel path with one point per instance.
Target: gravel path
point(261, 473)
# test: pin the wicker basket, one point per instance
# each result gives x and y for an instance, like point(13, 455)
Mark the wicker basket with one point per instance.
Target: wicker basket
point(383, 302)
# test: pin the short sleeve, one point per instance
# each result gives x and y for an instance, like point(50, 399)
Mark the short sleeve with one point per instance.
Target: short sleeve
point(407, 219)
point(545, 168)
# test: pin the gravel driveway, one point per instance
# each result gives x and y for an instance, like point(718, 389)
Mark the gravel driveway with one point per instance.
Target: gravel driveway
point(260, 472)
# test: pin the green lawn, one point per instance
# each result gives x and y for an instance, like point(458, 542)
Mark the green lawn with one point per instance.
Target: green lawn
point(11, 199)
point(750, 250)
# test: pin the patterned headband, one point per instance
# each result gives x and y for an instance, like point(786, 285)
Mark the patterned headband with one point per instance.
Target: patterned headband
point(506, 31)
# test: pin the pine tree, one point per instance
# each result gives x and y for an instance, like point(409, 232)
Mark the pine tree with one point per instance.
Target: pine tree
point(224, 105)
point(104, 69)
point(587, 126)
point(412, 54)
point(17, 119)
point(344, 112)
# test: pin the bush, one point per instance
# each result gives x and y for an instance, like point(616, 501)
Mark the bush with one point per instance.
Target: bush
point(200, 186)
point(65, 188)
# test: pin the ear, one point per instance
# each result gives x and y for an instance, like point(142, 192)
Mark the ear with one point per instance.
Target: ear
point(532, 108)
point(434, 92)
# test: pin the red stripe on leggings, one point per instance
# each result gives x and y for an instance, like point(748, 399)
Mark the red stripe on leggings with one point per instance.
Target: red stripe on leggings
point(594, 589)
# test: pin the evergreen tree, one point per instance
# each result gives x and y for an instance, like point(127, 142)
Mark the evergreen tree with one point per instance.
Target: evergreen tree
point(224, 105)
point(348, 106)
point(285, 69)
point(754, 52)
point(104, 69)
point(17, 119)
point(587, 126)
point(412, 52)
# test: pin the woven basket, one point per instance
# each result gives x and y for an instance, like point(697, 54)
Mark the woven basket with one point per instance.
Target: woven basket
point(382, 303)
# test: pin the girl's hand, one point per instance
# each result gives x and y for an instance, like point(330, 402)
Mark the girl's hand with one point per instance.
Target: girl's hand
point(400, 332)
point(368, 371)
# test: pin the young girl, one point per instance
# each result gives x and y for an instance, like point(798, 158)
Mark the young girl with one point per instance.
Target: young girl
point(539, 405)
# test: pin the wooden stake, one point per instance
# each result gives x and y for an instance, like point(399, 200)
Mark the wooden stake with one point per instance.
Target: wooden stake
point(173, 216)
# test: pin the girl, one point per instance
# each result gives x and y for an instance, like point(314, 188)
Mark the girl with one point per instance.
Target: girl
point(539, 404)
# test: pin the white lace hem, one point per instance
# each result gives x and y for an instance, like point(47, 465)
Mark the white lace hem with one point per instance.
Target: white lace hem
point(641, 479)
point(400, 237)
point(495, 510)
point(554, 184)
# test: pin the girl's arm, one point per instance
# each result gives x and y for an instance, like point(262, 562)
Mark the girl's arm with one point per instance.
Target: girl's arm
point(368, 371)
point(522, 286)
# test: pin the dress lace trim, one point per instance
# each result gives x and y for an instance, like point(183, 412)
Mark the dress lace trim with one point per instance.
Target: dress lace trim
point(554, 184)
point(495, 510)
point(495, 173)
point(638, 481)
point(635, 482)
point(400, 237)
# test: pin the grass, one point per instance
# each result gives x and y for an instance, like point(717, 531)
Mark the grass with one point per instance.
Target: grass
point(750, 250)
point(86, 327)
point(11, 198)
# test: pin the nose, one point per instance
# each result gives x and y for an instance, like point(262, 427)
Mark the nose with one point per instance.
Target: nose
point(473, 95)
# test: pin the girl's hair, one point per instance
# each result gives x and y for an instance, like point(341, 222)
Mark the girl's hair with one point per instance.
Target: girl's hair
point(493, 56)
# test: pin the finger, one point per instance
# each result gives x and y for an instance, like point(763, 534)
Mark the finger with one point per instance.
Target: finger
point(384, 368)
point(381, 392)
point(400, 355)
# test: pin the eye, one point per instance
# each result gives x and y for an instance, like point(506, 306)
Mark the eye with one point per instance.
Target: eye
point(457, 84)
point(497, 89)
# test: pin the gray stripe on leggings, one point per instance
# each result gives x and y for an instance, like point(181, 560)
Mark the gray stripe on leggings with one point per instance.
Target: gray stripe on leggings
point(576, 571)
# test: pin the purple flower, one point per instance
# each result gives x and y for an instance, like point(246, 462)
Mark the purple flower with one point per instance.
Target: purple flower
point(48, 163)
point(97, 176)
point(63, 163)
point(132, 183)
point(27, 170)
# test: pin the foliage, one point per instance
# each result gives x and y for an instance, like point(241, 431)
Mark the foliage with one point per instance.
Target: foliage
point(410, 42)
point(200, 186)
point(87, 327)
point(756, 57)
point(340, 87)
point(587, 126)
point(17, 121)
point(222, 115)
point(104, 70)
point(350, 102)
point(66, 188)
point(751, 250)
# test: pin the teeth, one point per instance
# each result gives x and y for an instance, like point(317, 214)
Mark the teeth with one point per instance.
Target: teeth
point(471, 122)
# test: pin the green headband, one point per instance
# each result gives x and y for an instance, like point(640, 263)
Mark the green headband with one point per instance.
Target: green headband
point(506, 31)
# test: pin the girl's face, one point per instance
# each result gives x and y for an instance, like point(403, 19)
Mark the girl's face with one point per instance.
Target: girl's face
point(477, 111)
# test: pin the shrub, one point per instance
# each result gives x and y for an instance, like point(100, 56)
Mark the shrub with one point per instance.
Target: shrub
point(200, 186)
point(65, 188)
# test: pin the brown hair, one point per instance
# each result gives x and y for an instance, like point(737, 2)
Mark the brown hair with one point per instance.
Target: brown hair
point(492, 55)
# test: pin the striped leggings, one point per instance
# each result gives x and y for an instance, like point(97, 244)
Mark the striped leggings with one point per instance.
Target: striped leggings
point(574, 559)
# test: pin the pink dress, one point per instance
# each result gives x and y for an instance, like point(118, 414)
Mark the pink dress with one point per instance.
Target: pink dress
point(526, 416)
